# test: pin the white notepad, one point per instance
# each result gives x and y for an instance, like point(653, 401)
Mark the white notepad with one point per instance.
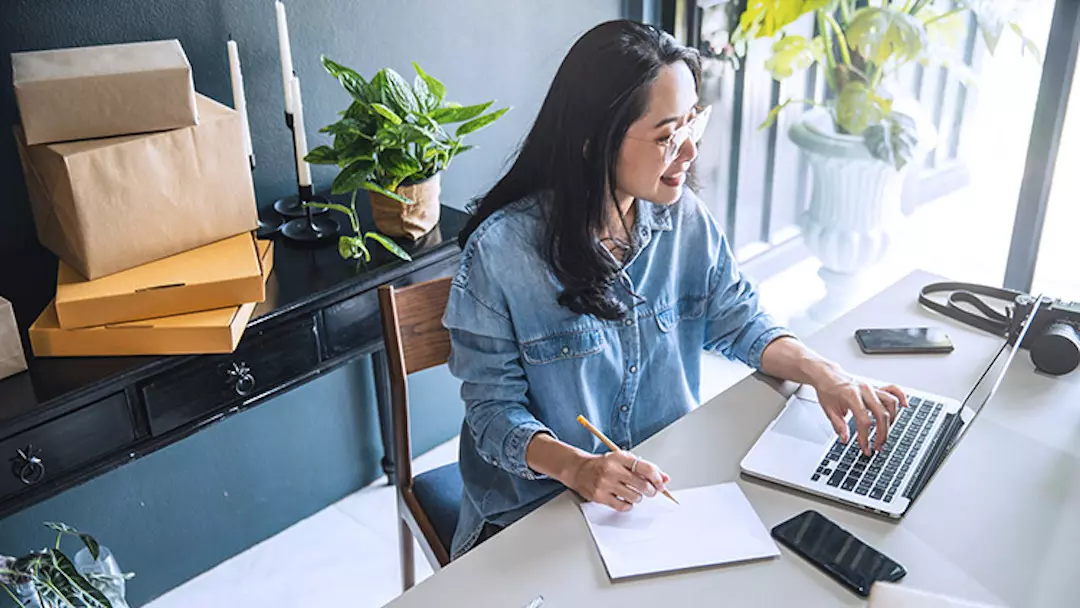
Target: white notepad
point(712, 525)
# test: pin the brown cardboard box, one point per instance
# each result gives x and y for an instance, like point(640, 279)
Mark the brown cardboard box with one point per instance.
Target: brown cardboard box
point(107, 205)
point(211, 331)
point(12, 359)
point(219, 275)
point(101, 91)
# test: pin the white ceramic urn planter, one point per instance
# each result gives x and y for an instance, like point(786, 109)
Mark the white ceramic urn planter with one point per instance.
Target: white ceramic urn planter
point(855, 201)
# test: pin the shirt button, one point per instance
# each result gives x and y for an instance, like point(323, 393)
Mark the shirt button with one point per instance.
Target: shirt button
point(495, 461)
point(629, 322)
point(633, 369)
point(625, 408)
point(565, 350)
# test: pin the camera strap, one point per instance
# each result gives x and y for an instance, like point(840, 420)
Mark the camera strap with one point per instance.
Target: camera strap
point(983, 316)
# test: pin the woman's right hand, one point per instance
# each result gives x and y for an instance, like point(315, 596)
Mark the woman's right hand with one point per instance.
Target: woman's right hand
point(612, 479)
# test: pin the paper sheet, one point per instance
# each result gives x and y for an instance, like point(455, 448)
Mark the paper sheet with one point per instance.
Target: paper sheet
point(712, 525)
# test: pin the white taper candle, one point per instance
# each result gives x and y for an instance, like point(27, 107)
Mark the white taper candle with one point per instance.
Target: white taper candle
point(286, 54)
point(303, 170)
point(239, 99)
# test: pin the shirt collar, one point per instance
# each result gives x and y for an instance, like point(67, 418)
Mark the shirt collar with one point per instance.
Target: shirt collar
point(654, 216)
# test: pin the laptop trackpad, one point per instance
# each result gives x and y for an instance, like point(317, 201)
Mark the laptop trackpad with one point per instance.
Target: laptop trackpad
point(805, 420)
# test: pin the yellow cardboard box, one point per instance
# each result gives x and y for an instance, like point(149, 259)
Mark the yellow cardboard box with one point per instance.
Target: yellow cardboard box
point(219, 275)
point(211, 331)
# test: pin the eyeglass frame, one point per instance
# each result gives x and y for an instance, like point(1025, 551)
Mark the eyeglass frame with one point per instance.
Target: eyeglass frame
point(693, 129)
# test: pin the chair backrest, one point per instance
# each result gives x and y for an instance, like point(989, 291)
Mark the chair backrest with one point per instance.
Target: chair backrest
point(415, 340)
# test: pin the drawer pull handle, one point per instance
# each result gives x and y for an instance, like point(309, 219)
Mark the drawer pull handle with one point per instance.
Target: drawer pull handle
point(27, 466)
point(242, 378)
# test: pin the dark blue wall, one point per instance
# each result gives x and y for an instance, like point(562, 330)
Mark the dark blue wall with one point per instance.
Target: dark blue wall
point(180, 511)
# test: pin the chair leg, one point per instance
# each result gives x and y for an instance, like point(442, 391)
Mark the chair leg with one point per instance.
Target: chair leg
point(408, 566)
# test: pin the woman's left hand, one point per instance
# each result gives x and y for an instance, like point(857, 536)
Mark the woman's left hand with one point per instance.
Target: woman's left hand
point(839, 392)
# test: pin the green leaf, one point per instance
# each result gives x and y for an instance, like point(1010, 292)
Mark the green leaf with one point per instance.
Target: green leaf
point(423, 94)
point(372, 187)
point(893, 140)
point(859, 107)
point(377, 88)
point(352, 177)
point(399, 164)
point(76, 582)
point(357, 110)
point(389, 245)
point(361, 149)
point(401, 93)
point(352, 247)
point(883, 34)
point(943, 28)
point(334, 68)
point(61, 527)
point(322, 155)
point(991, 16)
point(773, 115)
point(351, 81)
point(479, 123)
point(1029, 45)
point(435, 87)
point(458, 114)
point(386, 113)
point(790, 53)
point(767, 17)
point(345, 126)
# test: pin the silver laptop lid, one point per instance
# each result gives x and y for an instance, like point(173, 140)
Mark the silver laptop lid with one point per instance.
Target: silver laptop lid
point(980, 394)
point(994, 373)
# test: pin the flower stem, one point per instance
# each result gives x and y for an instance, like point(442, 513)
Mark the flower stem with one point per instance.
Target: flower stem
point(841, 40)
point(830, 59)
point(955, 11)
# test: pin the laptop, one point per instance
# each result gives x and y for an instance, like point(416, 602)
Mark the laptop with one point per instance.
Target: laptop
point(800, 449)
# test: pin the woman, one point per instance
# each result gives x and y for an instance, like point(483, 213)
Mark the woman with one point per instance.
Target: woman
point(590, 282)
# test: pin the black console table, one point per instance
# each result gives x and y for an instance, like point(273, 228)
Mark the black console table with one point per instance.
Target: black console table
point(82, 417)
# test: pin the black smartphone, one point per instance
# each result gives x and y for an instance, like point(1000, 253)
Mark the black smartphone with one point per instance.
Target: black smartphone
point(887, 340)
point(837, 552)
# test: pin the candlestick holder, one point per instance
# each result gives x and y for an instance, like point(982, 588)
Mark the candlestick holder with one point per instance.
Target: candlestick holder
point(311, 227)
point(291, 206)
point(269, 226)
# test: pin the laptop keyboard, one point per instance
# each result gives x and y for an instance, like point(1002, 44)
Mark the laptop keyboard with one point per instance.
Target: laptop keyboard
point(846, 468)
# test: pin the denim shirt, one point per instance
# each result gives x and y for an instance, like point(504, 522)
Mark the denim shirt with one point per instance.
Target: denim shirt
point(529, 365)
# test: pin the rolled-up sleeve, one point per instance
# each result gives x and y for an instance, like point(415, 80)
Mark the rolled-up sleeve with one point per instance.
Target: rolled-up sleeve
point(737, 326)
point(484, 355)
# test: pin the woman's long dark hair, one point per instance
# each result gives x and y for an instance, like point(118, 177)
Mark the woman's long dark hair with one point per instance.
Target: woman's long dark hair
point(601, 88)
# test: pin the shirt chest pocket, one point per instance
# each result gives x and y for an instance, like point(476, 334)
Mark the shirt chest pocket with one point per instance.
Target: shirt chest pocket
point(563, 346)
point(685, 309)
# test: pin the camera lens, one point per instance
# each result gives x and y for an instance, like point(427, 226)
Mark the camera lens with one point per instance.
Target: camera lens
point(1057, 351)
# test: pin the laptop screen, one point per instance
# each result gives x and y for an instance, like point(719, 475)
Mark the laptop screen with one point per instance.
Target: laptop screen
point(979, 395)
point(994, 373)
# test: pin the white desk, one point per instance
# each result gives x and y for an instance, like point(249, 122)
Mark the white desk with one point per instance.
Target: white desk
point(964, 535)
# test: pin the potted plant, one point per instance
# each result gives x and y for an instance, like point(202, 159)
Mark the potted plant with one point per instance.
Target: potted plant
point(393, 141)
point(865, 137)
point(50, 579)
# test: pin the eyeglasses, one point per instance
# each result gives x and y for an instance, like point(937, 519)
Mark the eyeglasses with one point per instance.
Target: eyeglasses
point(694, 129)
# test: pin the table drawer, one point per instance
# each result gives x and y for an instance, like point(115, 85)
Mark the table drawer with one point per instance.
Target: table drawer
point(354, 323)
point(44, 453)
point(263, 360)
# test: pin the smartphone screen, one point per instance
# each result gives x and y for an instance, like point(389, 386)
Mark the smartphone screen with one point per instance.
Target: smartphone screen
point(903, 340)
point(837, 552)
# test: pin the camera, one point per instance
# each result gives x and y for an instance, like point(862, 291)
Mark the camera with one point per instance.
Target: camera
point(1053, 340)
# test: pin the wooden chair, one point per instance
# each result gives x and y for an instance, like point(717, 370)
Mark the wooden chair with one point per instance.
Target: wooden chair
point(428, 504)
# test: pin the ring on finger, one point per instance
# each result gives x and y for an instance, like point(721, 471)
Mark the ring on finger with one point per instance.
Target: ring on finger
point(633, 467)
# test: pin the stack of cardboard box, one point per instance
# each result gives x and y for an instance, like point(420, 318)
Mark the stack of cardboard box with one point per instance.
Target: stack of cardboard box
point(142, 189)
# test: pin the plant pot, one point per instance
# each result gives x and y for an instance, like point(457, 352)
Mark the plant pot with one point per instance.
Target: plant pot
point(397, 219)
point(855, 202)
